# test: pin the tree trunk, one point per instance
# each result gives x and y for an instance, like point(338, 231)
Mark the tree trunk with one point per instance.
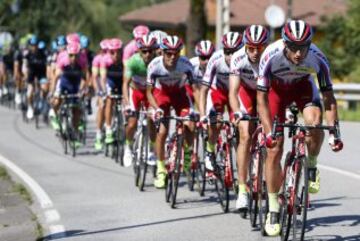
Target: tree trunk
point(196, 25)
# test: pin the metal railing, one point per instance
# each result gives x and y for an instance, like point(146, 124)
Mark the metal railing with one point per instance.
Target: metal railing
point(347, 92)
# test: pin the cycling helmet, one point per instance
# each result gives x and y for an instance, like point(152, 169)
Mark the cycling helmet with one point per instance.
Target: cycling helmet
point(159, 35)
point(61, 41)
point(114, 44)
point(146, 42)
point(140, 31)
point(172, 43)
point(73, 48)
point(41, 45)
point(84, 42)
point(104, 44)
point(53, 45)
point(256, 35)
point(33, 40)
point(297, 32)
point(72, 37)
point(232, 40)
point(204, 48)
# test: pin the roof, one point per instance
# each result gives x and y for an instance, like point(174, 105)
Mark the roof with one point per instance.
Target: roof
point(243, 12)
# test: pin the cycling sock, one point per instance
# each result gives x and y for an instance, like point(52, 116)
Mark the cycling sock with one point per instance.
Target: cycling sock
point(108, 129)
point(312, 161)
point(242, 188)
point(274, 205)
point(210, 147)
point(128, 142)
point(160, 166)
point(98, 134)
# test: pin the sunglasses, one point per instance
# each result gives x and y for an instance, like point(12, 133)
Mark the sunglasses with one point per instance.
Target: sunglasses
point(113, 52)
point(252, 48)
point(170, 54)
point(229, 51)
point(294, 47)
point(72, 55)
point(204, 58)
point(147, 51)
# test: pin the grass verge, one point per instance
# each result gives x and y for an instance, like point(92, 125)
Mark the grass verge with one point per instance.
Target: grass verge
point(19, 188)
point(349, 115)
point(3, 173)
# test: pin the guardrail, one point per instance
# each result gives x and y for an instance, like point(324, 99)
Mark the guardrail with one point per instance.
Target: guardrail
point(349, 92)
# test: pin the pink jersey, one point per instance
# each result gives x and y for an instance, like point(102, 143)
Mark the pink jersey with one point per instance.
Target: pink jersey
point(129, 50)
point(97, 60)
point(82, 59)
point(106, 61)
point(65, 61)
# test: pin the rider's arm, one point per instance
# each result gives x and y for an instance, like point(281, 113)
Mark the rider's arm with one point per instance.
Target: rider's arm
point(206, 83)
point(202, 99)
point(330, 107)
point(103, 73)
point(126, 82)
point(234, 85)
point(57, 75)
point(262, 99)
point(150, 82)
point(151, 97)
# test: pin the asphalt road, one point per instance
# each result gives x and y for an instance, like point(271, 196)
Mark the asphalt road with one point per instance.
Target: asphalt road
point(97, 200)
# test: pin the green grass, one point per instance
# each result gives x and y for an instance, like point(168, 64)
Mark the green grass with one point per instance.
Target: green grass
point(19, 188)
point(349, 115)
point(3, 173)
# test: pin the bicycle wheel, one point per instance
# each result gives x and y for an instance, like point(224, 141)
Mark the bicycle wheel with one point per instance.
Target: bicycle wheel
point(194, 177)
point(300, 199)
point(177, 171)
point(285, 205)
point(221, 189)
point(202, 169)
point(263, 201)
point(254, 187)
point(143, 159)
point(171, 156)
point(120, 139)
point(136, 159)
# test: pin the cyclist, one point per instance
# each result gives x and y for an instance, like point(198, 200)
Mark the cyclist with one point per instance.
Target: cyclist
point(159, 35)
point(70, 79)
point(95, 72)
point(244, 70)
point(166, 79)
point(130, 49)
point(285, 76)
point(203, 50)
point(7, 66)
point(134, 92)
point(34, 65)
point(216, 78)
point(111, 72)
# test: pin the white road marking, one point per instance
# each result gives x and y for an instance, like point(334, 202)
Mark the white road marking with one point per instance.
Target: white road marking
point(339, 171)
point(57, 231)
point(52, 216)
point(43, 198)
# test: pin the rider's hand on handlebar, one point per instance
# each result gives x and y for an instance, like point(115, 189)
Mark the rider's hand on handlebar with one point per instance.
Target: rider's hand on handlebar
point(270, 141)
point(336, 144)
point(158, 114)
point(204, 120)
point(237, 117)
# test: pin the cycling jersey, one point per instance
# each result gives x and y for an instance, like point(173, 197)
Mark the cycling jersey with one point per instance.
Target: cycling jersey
point(129, 50)
point(287, 82)
point(169, 86)
point(136, 70)
point(114, 74)
point(198, 72)
point(36, 65)
point(71, 75)
point(275, 67)
point(217, 72)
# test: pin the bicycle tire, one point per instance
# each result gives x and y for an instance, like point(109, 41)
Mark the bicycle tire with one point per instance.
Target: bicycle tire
point(254, 190)
point(177, 171)
point(136, 159)
point(220, 186)
point(202, 167)
point(143, 160)
point(263, 201)
point(301, 199)
point(285, 215)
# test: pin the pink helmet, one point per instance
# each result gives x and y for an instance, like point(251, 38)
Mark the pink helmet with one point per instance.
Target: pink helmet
point(140, 31)
point(104, 44)
point(114, 44)
point(73, 48)
point(72, 37)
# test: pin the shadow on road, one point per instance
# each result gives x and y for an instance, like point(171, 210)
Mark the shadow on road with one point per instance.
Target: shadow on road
point(79, 233)
point(332, 221)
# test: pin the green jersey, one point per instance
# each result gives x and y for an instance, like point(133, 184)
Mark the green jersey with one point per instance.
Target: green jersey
point(136, 70)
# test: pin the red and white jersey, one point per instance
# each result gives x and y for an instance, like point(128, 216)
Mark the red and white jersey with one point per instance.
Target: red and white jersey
point(198, 72)
point(217, 72)
point(275, 68)
point(241, 66)
point(163, 79)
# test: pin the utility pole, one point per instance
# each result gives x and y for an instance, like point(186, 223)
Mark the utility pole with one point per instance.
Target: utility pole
point(222, 20)
point(289, 13)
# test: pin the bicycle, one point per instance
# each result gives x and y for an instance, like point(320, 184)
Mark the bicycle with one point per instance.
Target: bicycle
point(175, 157)
point(141, 150)
point(118, 126)
point(294, 197)
point(258, 201)
point(67, 130)
point(223, 174)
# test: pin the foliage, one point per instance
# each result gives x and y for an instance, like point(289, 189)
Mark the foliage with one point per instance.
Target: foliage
point(341, 43)
point(49, 18)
